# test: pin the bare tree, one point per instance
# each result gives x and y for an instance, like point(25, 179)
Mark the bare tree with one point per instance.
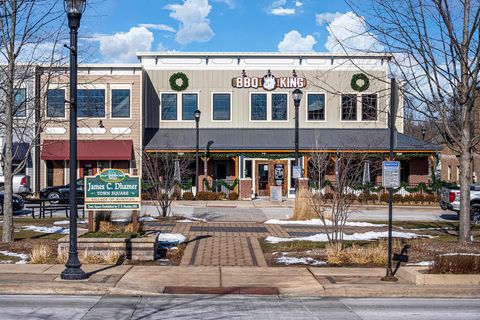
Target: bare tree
point(28, 37)
point(437, 56)
point(331, 201)
point(164, 173)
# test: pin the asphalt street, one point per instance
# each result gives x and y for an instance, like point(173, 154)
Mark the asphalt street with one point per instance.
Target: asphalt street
point(207, 307)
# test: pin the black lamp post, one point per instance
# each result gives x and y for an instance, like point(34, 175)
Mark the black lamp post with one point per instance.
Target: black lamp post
point(297, 97)
point(197, 114)
point(73, 270)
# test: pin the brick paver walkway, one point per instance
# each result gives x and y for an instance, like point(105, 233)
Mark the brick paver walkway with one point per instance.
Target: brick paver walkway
point(234, 243)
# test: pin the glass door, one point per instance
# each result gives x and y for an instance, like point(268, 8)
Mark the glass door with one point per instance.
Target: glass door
point(262, 179)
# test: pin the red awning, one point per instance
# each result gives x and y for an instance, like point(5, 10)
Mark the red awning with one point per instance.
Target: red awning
point(88, 150)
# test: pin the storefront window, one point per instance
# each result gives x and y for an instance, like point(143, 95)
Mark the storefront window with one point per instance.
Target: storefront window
point(259, 106)
point(20, 103)
point(121, 165)
point(369, 107)
point(279, 106)
point(316, 106)
point(189, 105)
point(91, 103)
point(169, 106)
point(120, 103)
point(102, 165)
point(56, 103)
point(349, 107)
point(221, 106)
point(248, 168)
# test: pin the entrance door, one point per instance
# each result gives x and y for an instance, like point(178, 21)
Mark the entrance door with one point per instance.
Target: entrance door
point(88, 168)
point(263, 179)
point(279, 175)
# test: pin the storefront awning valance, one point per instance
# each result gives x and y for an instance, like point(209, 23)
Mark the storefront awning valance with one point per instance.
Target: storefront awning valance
point(88, 150)
point(19, 150)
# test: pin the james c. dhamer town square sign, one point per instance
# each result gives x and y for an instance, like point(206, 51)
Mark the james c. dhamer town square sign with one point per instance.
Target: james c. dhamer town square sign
point(112, 189)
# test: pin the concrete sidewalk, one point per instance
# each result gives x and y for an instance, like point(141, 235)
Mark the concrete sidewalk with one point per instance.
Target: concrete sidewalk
point(129, 280)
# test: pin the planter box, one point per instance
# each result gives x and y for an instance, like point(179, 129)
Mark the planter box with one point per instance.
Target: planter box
point(140, 249)
point(421, 278)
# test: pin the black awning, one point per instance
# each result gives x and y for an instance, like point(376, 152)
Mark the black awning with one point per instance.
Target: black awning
point(19, 150)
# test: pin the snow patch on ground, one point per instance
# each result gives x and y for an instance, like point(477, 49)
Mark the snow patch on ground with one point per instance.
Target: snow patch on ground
point(284, 259)
point(146, 218)
point(192, 219)
point(22, 256)
point(366, 236)
point(64, 222)
point(318, 222)
point(171, 237)
point(461, 254)
point(60, 230)
point(421, 264)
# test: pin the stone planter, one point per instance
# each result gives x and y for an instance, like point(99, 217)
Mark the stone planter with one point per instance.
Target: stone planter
point(140, 249)
point(421, 278)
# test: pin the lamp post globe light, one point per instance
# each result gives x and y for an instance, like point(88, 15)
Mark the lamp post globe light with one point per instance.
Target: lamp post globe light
point(297, 97)
point(197, 114)
point(73, 270)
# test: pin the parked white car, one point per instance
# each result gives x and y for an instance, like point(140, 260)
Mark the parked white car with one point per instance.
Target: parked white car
point(21, 184)
point(450, 200)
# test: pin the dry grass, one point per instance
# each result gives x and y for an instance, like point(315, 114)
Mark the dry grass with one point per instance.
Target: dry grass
point(129, 228)
point(41, 254)
point(62, 256)
point(456, 264)
point(303, 209)
point(374, 254)
point(113, 257)
point(107, 226)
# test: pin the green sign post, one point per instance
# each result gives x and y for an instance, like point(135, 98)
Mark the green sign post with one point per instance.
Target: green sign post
point(112, 189)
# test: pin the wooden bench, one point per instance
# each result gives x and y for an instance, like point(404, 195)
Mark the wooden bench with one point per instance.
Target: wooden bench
point(45, 205)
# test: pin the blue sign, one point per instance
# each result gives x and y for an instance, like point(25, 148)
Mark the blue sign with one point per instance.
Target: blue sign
point(391, 174)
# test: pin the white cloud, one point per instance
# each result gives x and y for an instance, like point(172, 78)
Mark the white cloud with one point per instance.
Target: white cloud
point(194, 25)
point(277, 9)
point(229, 3)
point(122, 46)
point(281, 11)
point(326, 17)
point(294, 42)
point(298, 4)
point(348, 32)
point(161, 27)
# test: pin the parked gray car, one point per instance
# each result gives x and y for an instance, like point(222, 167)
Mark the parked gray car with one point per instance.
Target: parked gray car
point(450, 200)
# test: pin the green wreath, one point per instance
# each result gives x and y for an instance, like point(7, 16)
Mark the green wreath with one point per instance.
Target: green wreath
point(360, 76)
point(173, 81)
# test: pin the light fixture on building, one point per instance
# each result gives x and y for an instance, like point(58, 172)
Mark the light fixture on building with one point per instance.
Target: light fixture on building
point(74, 10)
point(100, 124)
point(424, 131)
point(294, 73)
point(244, 73)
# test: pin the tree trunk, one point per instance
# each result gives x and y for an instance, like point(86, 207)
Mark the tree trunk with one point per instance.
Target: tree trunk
point(465, 182)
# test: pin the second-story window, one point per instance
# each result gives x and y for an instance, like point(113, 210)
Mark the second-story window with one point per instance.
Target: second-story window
point(315, 106)
point(349, 107)
point(369, 107)
point(169, 106)
point(189, 105)
point(56, 103)
point(120, 103)
point(279, 106)
point(258, 106)
point(221, 106)
point(20, 103)
point(91, 103)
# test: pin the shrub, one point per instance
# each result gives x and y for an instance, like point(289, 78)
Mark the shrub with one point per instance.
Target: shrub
point(408, 198)
point(397, 198)
point(129, 228)
point(384, 197)
point(233, 196)
point(373, 197)
point(108, 227)
point(220, 195)
point(328, 196)
point(62, 256)
point(88, 257)
point(363, 197)
point(418, 198)
point(208, 196)
point(102, 216)
point(41, 254)
point(176, 195)
point(431, 198)
point(369, 255)
point(456, 264)
point(188, 196)
point(113, 257)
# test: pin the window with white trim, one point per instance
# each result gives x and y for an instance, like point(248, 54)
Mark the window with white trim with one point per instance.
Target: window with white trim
point(20, 103)
point(258, 106)
point(169, 106)
point(91, 103)
point(279, 106)
point(369, 107)
point(316, 106)
point(349, 107)
point(56, 103)
point(189, 105)
point(120, 103)
point(222, 106)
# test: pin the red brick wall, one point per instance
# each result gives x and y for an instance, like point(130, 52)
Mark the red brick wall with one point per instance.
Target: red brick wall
point(418, 170)
point(245, 189)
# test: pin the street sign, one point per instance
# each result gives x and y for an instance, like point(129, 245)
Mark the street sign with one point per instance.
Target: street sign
point(391, 174)
point(112, 189)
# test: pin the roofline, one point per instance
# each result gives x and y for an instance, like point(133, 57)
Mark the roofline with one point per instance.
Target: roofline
point(268, 55)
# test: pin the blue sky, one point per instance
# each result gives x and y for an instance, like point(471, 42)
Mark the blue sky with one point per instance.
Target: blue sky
point(117, 28)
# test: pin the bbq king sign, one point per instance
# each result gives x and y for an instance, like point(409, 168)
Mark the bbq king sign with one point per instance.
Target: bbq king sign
point(269, 82)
